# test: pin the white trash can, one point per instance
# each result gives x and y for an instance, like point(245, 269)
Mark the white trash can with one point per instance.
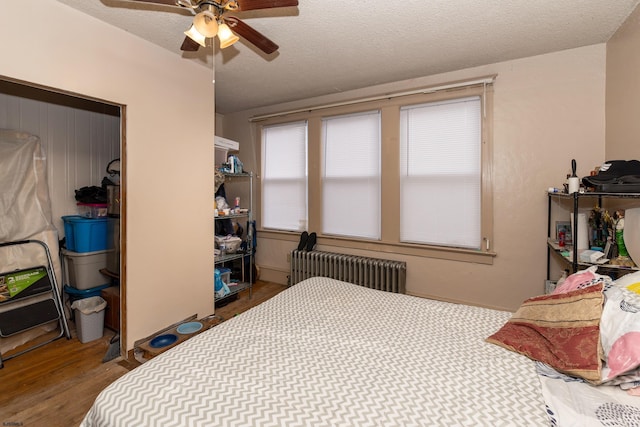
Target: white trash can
point(89, 315)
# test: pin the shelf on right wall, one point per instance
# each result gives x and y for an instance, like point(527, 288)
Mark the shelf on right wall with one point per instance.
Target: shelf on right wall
point(629, 202)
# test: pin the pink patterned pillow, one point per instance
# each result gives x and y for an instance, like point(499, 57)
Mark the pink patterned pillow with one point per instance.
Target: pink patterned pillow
point(560, 330)
point(582, 279)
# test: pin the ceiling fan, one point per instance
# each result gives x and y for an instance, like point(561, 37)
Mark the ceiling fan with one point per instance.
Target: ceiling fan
point(210, 20)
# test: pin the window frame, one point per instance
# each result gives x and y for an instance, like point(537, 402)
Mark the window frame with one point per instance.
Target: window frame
point(390, 164)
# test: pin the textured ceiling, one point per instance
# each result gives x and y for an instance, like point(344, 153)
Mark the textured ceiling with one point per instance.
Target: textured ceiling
point(329, 46)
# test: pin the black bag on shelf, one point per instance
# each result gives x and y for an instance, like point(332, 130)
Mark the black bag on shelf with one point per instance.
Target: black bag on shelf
point(616, 176)
point(223, 227)
point(93, 194)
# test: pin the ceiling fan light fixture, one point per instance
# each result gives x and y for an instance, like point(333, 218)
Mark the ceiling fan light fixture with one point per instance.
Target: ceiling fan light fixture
point(232, 5)
point(195, 35)
point(226, 36)
point(206, 24)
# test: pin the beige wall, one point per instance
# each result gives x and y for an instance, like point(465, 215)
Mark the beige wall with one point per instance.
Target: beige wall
point(169, 150)
point(547, 110)
point(623, 91)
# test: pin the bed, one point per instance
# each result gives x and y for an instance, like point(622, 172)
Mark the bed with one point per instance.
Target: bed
point(329, 353)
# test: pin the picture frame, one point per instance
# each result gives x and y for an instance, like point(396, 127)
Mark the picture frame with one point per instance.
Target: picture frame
point(566, 226)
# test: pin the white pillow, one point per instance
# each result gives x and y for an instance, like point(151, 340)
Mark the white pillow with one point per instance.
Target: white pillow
point(620, 329)
point(630, 281)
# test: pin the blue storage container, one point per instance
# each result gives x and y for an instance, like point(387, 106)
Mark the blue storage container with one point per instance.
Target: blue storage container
point(225, 274)
point(76, 294)
point(85, 234)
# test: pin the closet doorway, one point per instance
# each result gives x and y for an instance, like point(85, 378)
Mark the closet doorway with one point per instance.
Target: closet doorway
point(80, 136)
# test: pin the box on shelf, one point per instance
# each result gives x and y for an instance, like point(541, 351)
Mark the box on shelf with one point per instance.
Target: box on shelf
point(85, 234)
point(228, 244)
point(225, 274)
point(83, 269)
point(229, 144)
point(92, 210)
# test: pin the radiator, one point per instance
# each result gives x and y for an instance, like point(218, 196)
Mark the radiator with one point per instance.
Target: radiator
point(381, 274)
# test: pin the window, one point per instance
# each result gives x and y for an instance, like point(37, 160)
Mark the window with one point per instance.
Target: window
point(441, 173)
point(284, 176)
point(407, 174)
point(351, 175)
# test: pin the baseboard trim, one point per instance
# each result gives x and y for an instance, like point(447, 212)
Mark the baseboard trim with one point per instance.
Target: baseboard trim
point(274, 275)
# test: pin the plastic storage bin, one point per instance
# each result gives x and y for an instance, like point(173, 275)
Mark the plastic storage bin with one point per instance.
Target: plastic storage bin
point(83, 268)
point(225, 274)
point(89, 315)
point(85, 234)
point(92, 210)
point(76, 294)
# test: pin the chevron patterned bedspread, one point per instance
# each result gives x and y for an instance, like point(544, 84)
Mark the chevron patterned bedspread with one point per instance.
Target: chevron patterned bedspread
point(329, 353)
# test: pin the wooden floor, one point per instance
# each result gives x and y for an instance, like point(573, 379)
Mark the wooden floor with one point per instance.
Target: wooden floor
point(55, 385)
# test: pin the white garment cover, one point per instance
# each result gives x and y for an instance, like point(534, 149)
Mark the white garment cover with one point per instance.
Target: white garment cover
point(25, 209)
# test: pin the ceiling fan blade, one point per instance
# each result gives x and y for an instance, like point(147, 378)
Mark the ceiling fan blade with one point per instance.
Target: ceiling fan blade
point(244, 5)
point(189, 45)
point(167, 2)
point(251, 35)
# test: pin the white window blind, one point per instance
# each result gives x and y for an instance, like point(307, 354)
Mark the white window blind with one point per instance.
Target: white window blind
point(351, 175)
point(441, 173)
point(284, 176)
